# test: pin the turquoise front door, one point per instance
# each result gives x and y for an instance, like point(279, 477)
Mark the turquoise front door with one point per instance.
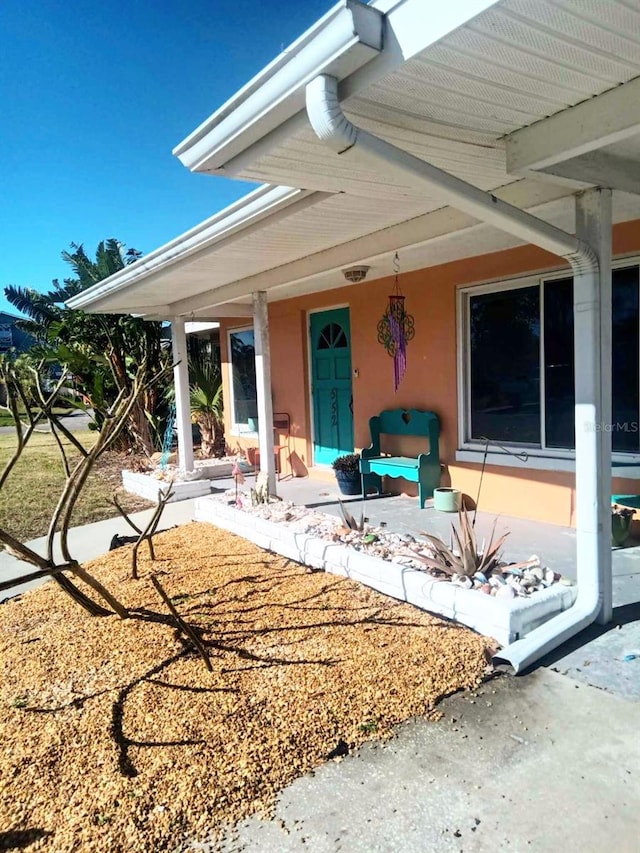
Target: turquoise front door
point(331, 385)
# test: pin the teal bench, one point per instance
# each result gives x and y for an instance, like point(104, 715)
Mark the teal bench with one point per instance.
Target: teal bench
point(423, 469)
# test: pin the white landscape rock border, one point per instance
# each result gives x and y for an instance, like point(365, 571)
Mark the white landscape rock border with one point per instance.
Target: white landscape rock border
point(506, 620)
point(147, 486)
point(194, 485)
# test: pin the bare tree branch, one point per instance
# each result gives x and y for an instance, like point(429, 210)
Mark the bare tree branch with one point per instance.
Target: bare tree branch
point(32, 576)
point(150, 529)
point(63, 454)
point(23, 552)
point(126, 517)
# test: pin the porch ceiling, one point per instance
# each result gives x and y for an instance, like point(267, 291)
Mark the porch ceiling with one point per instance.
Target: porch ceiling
point(278, 257)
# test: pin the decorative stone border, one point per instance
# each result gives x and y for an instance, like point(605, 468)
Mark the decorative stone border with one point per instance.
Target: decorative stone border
point(147, 486)
point(506, 620)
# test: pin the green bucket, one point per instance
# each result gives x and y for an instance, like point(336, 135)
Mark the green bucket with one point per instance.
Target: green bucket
point(447, 500)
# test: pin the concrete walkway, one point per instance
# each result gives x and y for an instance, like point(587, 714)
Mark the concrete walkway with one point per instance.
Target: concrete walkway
point(535, 763)
point(90, 541)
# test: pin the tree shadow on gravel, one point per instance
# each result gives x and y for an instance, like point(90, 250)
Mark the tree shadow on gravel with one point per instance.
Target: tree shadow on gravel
point(353, 617)
point(124, 743)
point(16, 839)
point(222, 637)
point(254, 580)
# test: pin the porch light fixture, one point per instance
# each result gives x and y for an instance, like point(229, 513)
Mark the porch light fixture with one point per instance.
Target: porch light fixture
point(356, 274)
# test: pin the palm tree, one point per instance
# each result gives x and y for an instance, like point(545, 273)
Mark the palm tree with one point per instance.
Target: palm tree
point(102, 350)
point(207, 405)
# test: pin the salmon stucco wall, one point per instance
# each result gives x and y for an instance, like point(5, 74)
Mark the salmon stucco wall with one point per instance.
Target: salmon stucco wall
point(430, 381)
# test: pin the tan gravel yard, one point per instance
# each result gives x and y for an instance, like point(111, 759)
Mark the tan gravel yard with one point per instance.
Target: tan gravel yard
point(116, 738)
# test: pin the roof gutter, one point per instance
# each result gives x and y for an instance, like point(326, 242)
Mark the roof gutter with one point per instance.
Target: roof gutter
point(351, 142)
point(341, 42)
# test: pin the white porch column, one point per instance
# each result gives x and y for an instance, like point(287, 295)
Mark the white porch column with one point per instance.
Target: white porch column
point(263, 387)
point(592, 324)
point(181, 385)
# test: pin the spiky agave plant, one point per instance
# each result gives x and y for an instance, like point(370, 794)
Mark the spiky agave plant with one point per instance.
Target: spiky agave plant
point(350, 520)
point(463, 557)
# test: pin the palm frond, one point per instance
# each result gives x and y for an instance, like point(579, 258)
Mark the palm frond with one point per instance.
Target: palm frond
point(32, 303)
point(206, 385)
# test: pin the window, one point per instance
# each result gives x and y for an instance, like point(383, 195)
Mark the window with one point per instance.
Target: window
point(332, 337)
point(519, 372)
point(505, 365)
point(244, 406)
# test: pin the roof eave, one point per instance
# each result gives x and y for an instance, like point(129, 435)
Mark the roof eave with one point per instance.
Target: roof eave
point(265, 202)
point(341, 42)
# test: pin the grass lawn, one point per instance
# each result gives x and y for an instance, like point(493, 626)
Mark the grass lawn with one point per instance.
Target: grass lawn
point(32, 490)
point(116, 738)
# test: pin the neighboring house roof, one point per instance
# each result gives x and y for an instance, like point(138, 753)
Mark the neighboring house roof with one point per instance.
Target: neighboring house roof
point(528, 99)
point(6, 317)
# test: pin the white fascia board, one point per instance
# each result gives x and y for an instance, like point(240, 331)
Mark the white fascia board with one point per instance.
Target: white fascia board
point(345, 39)
point(239, 218)
point(194, 328)
point(166, 312)
point(406, 33)
point(586, 127)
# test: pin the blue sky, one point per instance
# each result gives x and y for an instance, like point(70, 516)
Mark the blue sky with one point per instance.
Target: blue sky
point(94, 95)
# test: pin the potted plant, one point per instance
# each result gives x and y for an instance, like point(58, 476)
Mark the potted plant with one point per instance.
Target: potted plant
point(348, 475)
point(621, 518)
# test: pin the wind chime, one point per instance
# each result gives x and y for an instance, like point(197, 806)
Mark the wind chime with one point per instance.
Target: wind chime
point(396, 328)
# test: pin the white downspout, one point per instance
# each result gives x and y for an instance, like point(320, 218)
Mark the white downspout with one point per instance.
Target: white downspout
point(593, 454)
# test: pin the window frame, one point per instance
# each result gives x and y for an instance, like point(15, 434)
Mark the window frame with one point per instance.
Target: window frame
point(538, 456)
point(235, 427)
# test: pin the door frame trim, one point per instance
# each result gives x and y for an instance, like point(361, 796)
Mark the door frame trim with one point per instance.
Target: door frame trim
point(312, 421)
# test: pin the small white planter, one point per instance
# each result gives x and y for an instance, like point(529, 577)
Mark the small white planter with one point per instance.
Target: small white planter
point(506, 620)
point(193, 484)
